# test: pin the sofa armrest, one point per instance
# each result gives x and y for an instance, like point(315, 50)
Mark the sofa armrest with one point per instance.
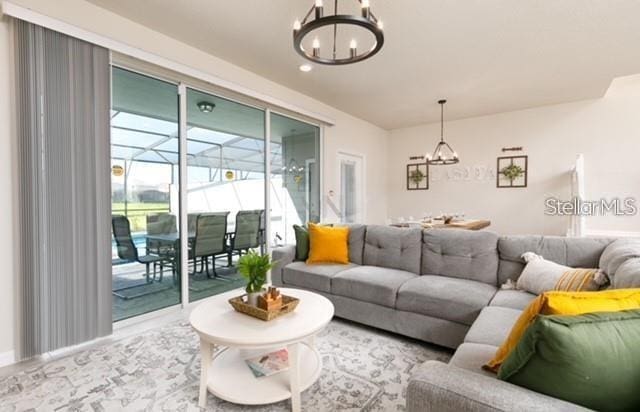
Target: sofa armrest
point(282, 256)
point(439, 387)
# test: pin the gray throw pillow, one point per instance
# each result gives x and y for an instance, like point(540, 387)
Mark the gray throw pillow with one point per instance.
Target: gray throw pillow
point(541, 275)
point(618, 252)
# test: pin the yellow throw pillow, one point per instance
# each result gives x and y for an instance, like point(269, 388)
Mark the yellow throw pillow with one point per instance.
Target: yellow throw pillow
point(564, 303)
point(328, 244)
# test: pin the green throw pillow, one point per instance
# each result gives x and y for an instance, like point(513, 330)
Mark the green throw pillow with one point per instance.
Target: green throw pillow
point(592, 360)
point(302, 242)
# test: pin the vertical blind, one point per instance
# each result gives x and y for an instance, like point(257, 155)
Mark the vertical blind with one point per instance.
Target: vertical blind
point(62, 105)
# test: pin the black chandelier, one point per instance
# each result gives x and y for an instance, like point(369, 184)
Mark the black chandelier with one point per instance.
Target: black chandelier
point(443, 154)
point(366, 20)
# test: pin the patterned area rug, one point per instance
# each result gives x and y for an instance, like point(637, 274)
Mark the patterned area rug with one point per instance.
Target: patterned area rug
point(364, 370)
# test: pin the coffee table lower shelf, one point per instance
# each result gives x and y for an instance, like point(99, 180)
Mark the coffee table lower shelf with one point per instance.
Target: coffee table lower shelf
point(231, 379)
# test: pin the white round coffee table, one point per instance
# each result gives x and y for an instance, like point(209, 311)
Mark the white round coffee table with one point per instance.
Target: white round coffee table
point(227, 375)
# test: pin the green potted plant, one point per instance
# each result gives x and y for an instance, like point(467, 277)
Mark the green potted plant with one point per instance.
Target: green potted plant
point(254, 267)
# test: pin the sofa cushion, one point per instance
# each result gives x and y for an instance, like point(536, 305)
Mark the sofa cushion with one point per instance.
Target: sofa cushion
point(628, 274)
point(457, 300)
point(471, 356)
point(370, 284)
point(514, 299)
point(617, 253)
point(460, 254)
point(492, 326)
point(356, 242)
point(574, 252)
point(393, 247)
point(317, 277)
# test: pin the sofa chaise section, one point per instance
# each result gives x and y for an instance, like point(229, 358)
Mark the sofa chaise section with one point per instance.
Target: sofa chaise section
point(439, 387)
point(462, 384)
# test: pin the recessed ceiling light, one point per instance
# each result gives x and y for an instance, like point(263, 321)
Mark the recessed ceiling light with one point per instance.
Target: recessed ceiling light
point(305, 68)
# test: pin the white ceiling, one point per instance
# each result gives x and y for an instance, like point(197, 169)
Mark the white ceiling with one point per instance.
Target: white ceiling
point(484, 56)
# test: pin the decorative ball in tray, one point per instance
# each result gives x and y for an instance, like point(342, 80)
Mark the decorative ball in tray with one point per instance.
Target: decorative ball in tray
point(271, 304)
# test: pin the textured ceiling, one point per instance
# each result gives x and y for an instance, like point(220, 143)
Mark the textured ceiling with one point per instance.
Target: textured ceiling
point(484, 56)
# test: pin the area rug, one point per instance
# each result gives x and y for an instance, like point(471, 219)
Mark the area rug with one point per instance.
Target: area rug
point(364, 370)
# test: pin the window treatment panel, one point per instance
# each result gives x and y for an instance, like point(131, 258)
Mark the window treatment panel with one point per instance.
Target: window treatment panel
point(62, 106)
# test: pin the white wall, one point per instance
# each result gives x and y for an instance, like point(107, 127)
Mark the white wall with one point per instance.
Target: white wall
point(349, 133)
point(606, 131)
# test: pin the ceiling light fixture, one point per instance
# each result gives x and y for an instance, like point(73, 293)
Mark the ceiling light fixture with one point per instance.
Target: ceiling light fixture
point(206, 107)
point(366, 20)
point(305, 68)
point(443, 154)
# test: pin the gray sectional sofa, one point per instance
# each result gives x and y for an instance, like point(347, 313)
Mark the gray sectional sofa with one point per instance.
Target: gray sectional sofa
point(441, 286)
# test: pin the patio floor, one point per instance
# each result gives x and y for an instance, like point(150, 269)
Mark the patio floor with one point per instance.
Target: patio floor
point(141, 297)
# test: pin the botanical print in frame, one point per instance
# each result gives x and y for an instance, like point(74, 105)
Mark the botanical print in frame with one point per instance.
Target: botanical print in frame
point(418, 176)
point(512, 171)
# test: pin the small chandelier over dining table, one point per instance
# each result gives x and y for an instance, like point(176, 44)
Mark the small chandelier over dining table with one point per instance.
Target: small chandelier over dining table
point(443, 154)
point(337, 55)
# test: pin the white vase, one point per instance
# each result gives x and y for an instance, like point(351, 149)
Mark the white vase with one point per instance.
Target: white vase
point(252, 298)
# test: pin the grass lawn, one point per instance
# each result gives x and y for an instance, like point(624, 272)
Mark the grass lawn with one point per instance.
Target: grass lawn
point(137, 212)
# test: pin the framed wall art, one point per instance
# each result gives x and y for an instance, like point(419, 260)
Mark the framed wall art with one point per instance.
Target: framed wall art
point(418, 176)
point(512, 171)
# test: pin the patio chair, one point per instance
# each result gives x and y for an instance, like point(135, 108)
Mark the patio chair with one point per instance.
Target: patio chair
point(247, 234)
point(128, 251)
point(160, 224)
point(192, 220)
point(210, 240)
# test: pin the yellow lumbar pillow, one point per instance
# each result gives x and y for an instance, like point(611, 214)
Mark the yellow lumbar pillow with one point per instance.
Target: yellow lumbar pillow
point(328, 244)
point(564, 303)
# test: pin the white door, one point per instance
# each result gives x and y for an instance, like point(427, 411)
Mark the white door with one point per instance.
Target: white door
point(352, 186)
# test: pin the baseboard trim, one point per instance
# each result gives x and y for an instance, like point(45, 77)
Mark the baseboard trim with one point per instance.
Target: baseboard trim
point(7, 358)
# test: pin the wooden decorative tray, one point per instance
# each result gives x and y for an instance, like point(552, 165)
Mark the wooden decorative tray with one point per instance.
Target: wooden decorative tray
point(288, 305)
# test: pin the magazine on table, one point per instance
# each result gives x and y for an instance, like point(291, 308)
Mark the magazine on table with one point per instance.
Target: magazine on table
point(269, 363)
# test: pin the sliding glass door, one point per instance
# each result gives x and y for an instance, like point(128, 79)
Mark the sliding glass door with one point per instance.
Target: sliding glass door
point(144, 193)
point(295, 177)
point(225, 192)
point(224, 189)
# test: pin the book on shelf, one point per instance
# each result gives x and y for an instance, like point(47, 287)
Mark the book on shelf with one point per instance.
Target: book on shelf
point(269, 363)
